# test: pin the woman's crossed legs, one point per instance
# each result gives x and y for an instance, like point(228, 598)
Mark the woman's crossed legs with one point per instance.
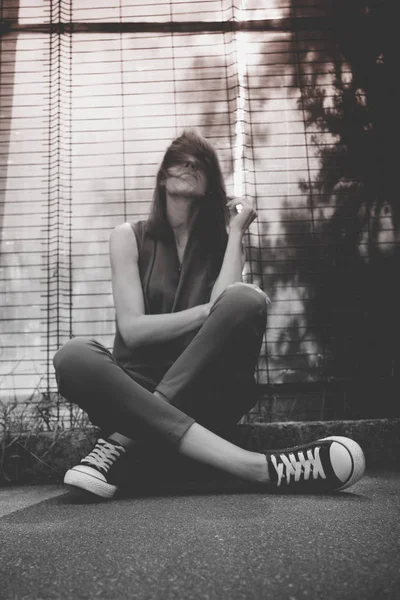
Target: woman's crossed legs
point(211, 384)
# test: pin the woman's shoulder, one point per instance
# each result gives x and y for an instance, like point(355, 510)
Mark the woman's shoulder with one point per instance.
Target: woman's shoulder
point(140, 231)
point(122, 233)
point(138, 227)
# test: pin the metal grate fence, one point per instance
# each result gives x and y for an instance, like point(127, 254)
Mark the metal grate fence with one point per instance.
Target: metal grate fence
point(92, 94)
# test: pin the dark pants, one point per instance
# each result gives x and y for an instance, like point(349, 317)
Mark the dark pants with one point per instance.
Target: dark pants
point(211, 382)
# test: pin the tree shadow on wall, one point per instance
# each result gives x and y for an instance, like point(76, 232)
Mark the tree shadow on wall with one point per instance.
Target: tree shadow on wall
point(217, 119)
point(349, 250)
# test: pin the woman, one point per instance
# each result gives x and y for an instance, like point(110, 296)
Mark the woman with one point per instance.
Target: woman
point(188, 335)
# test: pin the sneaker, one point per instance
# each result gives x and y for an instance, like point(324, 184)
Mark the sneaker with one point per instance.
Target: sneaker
point(327, 465)
point(92, 473)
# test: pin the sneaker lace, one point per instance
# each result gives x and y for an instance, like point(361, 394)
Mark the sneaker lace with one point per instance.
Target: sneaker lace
point(103, 455)
point(300, 468)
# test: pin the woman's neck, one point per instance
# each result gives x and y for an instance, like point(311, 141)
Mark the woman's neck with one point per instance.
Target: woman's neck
point(181, 213)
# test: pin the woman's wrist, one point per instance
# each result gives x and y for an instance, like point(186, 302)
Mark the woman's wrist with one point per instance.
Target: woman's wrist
point(235, 232)
point(206, 310)
point(203, 312)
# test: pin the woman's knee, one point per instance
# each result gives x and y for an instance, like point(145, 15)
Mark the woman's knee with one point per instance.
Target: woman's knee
point(72, 354)
point(75, 364)
point(247, 298)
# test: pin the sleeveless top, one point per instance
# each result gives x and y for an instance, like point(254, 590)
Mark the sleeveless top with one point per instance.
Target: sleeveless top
point(167, 288)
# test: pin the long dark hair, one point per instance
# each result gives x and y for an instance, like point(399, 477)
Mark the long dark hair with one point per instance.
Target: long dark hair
point(212, 218)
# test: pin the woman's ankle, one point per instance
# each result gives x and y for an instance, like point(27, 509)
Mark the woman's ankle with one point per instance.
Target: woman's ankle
point(262, 470)
point(120, 439)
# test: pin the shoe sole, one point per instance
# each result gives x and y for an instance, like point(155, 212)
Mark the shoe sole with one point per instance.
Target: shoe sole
point(86, 482)
point(357, 456)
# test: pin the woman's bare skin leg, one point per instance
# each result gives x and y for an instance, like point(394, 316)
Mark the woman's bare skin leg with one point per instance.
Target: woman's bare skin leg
point(121, 439)
point(207, 447)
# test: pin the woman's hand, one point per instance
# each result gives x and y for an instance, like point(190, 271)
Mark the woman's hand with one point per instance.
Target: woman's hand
point(240, 218)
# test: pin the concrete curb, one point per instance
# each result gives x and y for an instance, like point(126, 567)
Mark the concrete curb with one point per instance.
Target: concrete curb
point(44, 457)
point(379, 438)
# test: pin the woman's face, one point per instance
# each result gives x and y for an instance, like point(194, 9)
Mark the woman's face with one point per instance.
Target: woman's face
point(186, 178)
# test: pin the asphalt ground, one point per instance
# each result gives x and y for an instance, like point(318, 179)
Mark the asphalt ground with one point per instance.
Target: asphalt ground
point(217, 544)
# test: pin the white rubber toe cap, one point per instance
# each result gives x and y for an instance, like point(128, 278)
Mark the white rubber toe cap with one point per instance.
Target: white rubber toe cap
point(348, 461)
point(90, 480)
point(341, 461)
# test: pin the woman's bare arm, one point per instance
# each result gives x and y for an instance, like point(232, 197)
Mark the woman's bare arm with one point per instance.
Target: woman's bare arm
point(232, 266)
point(234, 258)
point(137, 328)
